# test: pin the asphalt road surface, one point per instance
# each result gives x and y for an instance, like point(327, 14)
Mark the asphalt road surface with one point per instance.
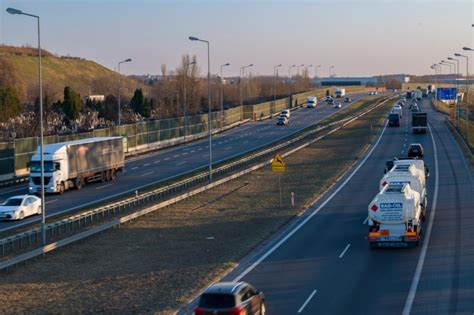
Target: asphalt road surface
point(322, 263)
point(172, 162)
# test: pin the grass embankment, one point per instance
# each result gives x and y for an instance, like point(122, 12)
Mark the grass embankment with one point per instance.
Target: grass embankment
point(158, 262)
point(83, 76)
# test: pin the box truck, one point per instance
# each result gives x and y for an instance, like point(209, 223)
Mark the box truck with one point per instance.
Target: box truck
point(311, 102)
point(75, 163)
point(419, 122)
point(340, 93)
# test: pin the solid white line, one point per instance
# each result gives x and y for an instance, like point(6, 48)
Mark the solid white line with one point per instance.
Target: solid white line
point(424, 249)
point(365, 221)
point(307, 301)
point(309, 217)
point(344, 251)
point(100, 187)
point(147, 173)
point(180, 163)
point(13, 190)
point(134, 168)
point(51, 201)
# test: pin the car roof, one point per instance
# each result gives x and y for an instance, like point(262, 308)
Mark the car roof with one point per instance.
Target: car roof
point(225, 287)
point(21, 196)
point(415, 144)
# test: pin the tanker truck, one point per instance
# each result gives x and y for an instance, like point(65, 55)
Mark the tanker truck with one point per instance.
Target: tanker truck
point(394, 217)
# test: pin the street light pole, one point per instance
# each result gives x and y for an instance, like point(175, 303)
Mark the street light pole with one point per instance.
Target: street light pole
point(242, 74)
point(192, 38)
point(330, 70)
point(119, 87)
point(222, 95)
point(40, 85)
point(275, 73)
point(185, 104)
point(457, 87)
point(467, 93)
point(289, 85)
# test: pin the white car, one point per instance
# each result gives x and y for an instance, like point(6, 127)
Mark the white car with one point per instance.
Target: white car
point(337, 105)
point(282, 120)
point(285, 113)
point(19, 207)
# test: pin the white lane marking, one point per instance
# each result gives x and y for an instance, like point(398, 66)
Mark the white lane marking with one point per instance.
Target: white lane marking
point(309, 217)
point(193, 151)
point(199, 149)
point(180, 163)
point(176, 156)
point(166, 159)
point(147, 164)
point(100, 187)
point(147, 173)
point(246, 141)
point(424, 249)
point(218, 143)
point(13, 190)
point(134, 168)
point(157, 161)
point(228, 148)
point(345, 250)
point(307, 301)
point(185, 153)
point(51, 201)
point(365, 221)
point(260, 137)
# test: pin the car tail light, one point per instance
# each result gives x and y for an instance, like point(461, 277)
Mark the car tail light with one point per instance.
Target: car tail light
point(237, 311)
point(412, 238)
point(198, 311)
point(374, 208)
point(372, 238)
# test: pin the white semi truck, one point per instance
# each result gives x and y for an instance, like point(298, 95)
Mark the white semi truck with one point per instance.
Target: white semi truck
point(73, 164)
point(409, 171)
point(311, 101)
point(395, 216)
point(340, 93)
point(418, 95)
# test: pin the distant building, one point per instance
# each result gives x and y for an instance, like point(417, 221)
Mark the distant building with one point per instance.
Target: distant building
point(346, 81)
point(94, 98)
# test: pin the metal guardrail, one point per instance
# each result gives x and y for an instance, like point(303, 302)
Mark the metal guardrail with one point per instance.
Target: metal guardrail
point(82, 225)
point(13, 181)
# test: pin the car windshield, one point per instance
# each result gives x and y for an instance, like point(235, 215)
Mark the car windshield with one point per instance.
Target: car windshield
point(210, 300)
point(35, 166)
point(13, 202)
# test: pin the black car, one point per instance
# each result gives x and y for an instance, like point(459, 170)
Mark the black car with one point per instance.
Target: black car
point(231, 298)
point(394, 120)
point(416, 150)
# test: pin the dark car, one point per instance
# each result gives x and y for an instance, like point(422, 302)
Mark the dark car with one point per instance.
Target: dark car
point(394, 120)
point(231, 298)
point(347, 100)
point(416, 150)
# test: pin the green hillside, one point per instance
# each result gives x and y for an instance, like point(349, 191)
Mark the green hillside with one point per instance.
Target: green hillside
point(82, 75)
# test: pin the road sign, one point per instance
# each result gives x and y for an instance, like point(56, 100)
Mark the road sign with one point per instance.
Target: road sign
point(278, 165)
point(447, 94)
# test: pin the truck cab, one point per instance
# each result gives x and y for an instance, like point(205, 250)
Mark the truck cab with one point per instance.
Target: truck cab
point(55, 161)
point(311, 102)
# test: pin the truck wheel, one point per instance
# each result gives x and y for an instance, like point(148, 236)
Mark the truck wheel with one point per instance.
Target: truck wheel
point(107, 175)
point(102, 177)
point(112, 174)
point(61, 188)
point(78, 183)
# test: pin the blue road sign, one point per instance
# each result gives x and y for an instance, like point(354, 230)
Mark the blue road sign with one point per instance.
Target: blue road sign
point(446, 93)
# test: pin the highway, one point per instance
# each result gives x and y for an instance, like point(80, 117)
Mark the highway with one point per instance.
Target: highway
point(322, 264)
point(173, 162)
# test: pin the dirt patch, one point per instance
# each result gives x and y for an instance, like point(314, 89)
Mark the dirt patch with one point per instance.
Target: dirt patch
point(158, 262)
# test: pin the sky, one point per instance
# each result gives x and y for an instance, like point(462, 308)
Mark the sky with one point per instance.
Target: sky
point(358, 37)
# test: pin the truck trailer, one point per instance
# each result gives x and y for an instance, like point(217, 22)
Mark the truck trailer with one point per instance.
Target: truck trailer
point(411, 171)
point(419, 122)
point(395, 217)
point(418, 94)
point(340, 93)
point(75, 163)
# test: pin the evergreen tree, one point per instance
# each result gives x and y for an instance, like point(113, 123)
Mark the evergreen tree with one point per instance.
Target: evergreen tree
point(108, 108)
point(72, 104)
point(10, 106)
